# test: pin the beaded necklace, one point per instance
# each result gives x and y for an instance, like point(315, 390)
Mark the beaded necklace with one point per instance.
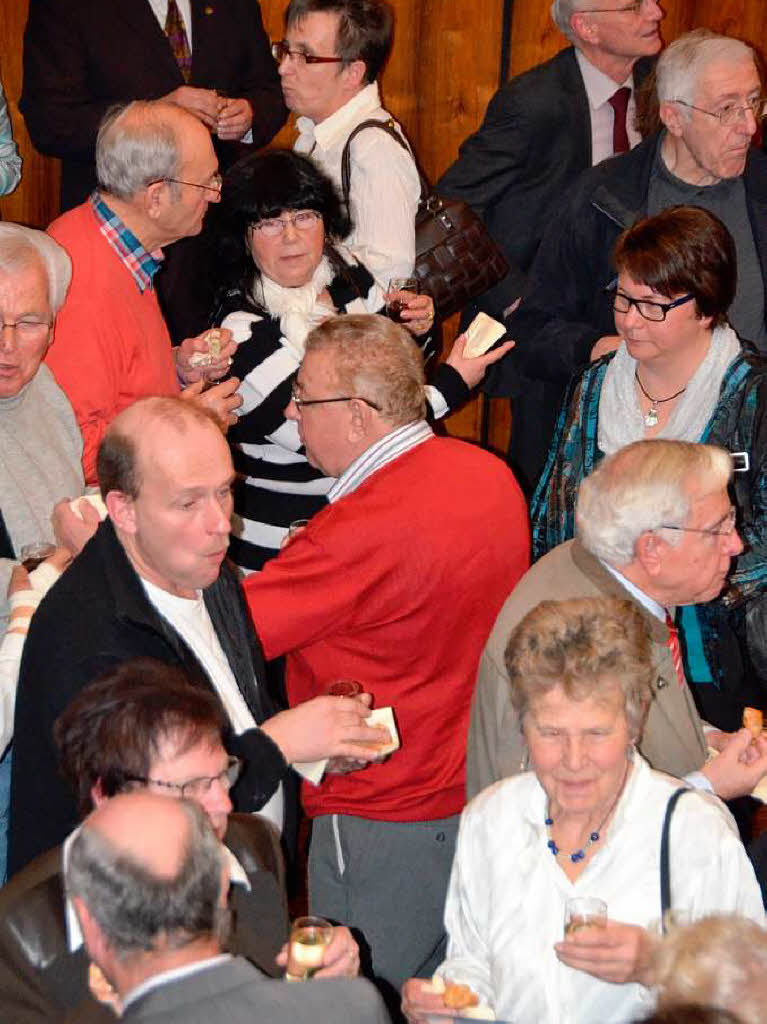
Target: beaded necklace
point(579, 855)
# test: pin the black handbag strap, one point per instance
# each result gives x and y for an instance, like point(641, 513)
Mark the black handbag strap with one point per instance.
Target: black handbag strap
point(6, 547)
point(665, 870)
point(346, 156)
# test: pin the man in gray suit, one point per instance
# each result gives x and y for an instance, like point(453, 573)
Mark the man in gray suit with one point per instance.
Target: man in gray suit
point(654, 526)
point(148, 881)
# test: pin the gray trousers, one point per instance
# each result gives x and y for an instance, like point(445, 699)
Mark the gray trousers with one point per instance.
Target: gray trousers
point(388, 879)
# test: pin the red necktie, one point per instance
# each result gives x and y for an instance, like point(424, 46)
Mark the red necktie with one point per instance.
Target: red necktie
point(619, 101)
point(179, 41)
point(675, 648)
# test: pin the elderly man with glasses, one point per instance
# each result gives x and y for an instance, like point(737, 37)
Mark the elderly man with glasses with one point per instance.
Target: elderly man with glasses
point(711, 104)
point(143, 725)
point(157, 174)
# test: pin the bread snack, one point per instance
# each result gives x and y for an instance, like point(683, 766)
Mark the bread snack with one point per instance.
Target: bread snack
point(384, 718)
point(753, 720)
point(458, 997)
point(454, 998)
point(213, 339)
point(481, 334)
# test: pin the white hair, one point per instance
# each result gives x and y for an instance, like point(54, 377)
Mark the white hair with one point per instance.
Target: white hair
point(681, 64)
point(137, 144)
point(20, 245)
point(561, 14)
point(640, 489)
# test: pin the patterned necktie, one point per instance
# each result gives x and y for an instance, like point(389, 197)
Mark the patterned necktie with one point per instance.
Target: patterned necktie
point(675, 649)
point(179, 42)
point(619, 101)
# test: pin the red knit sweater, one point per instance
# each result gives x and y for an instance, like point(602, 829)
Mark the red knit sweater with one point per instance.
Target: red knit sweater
point(398, 585)
point(111, 345)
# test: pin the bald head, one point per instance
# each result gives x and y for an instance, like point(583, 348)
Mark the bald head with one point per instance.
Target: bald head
point(149, 872)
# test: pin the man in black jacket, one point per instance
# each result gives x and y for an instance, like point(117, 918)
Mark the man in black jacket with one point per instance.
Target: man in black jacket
point(153, 582)
point(142, 724)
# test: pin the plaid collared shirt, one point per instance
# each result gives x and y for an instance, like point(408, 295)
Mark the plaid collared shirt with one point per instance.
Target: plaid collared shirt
point(143, 265)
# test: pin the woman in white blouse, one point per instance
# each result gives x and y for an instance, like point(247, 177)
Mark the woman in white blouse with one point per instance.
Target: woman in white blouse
point(586, 821)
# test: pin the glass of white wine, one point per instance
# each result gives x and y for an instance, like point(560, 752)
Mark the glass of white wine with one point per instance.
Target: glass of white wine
point(584, 912)
point(306, 949)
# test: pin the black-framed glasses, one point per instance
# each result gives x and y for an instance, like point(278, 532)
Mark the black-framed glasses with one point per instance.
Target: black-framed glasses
point(732, 112)
point(655, 311)
point(281, 50)
point(724, 528)
point(301, 402)
point(215, 185)
point(634, 8)
point(304, 220)
point(196, 787)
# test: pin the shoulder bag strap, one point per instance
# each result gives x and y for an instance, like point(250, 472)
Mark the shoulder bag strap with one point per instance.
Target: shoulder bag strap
point(665, 872)
point(6, 547)
point(346, 157)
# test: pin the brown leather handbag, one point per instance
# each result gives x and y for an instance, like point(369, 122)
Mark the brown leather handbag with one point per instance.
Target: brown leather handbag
point(455, 257)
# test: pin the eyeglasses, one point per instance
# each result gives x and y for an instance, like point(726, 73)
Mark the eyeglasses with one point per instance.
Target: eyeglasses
point(304, 220)
point(655, 311)
point(27, 330)
point(281, 50)
point(215, 186)
point(301, 402)
point(724, 528)
point(634, 8)
point(197, 787)
point(732, 113)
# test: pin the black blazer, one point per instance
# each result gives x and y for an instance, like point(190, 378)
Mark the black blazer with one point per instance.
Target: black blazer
point(40, 980)
point(97, 616)
point(83, 56)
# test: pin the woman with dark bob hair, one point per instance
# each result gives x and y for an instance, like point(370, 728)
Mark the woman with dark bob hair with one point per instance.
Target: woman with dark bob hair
point(279, 269)
point(680, 373)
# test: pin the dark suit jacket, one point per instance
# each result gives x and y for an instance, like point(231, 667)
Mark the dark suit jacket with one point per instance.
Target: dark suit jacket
point(40, 980)
point(94, 618)
point(236, 993)
point(83, 56)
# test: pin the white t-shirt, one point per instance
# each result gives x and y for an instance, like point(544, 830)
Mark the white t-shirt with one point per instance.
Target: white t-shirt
point(190, 618)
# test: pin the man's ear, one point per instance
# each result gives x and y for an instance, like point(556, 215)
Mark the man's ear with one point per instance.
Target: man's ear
point(585, 28)
point(649, 552)
point(97, 794)
point(122, 511)
point(673, 117)
point(93, 937)
point(154, 198)
point(359, 422)
point(354, 75)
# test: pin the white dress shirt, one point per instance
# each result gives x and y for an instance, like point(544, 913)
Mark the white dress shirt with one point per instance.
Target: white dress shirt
point(599, 89)
point(506, 899)
point(384, 185)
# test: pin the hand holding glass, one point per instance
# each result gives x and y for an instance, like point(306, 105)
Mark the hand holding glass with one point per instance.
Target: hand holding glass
point(396, 301)
point(584, 912)
point(306, 949)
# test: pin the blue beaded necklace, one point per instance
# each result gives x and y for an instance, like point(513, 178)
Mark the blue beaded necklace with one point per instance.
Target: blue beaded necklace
point(579, 855)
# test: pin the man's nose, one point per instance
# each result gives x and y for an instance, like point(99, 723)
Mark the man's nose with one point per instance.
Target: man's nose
point(217, 799)
point(291, 411)
point(7, 337)
point(734, 544)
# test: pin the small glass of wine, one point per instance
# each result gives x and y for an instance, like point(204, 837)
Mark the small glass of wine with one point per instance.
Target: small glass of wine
point(33, 554)
point(395, 300)
point(584, 912)
point(306, 949)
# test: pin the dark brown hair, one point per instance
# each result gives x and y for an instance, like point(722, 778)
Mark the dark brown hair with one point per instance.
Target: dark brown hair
point(113, 728)
point(364, 29)
point(683, 249)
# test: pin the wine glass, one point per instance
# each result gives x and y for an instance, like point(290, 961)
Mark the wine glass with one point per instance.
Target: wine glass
point(584, 912)
point(306, 947)
point(395, 301)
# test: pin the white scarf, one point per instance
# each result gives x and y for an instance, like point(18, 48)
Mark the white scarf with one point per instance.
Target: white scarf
point(621, 420)
point(298, 309)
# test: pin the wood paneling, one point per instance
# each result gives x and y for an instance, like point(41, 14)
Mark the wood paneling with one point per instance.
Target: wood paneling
point(442, 73)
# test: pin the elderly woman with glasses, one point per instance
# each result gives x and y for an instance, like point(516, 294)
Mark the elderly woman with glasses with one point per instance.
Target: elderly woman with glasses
point(279, 269)
point(584, 824)
point(680, 373)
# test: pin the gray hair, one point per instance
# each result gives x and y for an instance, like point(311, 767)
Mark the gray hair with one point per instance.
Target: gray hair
point(719, 961)
point(640, 489)
point(561, 14)
point(681, 64)
point(134, 909)
point(137, 144)
point(20, 245)
point(376, 359)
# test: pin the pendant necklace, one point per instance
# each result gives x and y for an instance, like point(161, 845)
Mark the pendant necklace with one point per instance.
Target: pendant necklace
point(651, 418)
point(579, 855)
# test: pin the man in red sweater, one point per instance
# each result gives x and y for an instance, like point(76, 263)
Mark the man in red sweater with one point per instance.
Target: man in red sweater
point(395, 584)
point(157, 172)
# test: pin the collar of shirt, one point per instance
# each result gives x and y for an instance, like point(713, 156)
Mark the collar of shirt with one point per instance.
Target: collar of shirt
point(377, 455)
point(176, 974)
point(648, 603)
point(237, 876)
point(142, 265)
point(599, 86)
point(337, 128)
